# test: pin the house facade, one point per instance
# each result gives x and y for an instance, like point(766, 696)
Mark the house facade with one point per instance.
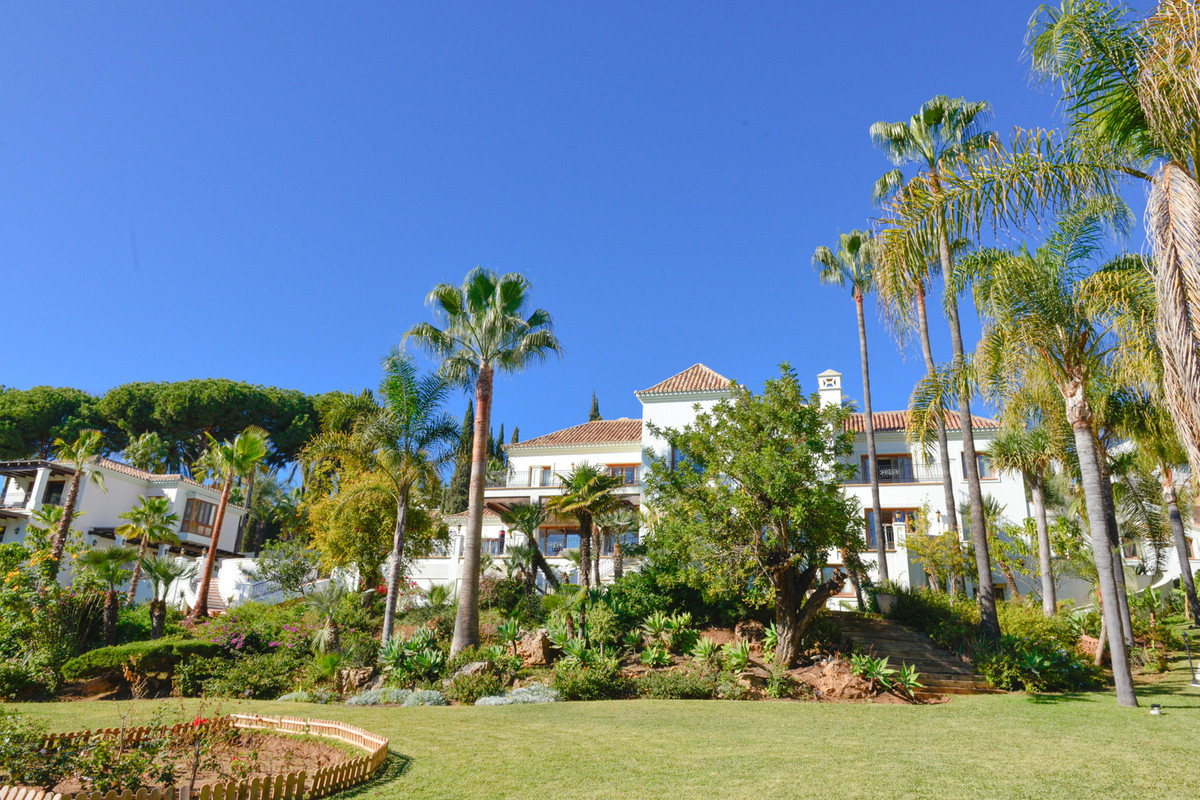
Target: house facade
point(28, 486)
point(626, 446)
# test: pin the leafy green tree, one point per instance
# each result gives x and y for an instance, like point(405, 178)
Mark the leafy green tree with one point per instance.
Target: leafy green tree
point(482, 330)
point(32, 419)
point(150, 521)
point(404, 438)
point(853, 265)
point(289, 564)
point(588, 491)
point(147, 452)
point(758, 506)
point(108, 566)
point(231, 459)
point(944, 132)
point(162, 574)
point(81, 454)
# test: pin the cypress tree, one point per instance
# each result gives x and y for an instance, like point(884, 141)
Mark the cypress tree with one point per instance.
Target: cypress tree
point(516, 437)
point(458, 490)
point(500, 454)
point(595, 415)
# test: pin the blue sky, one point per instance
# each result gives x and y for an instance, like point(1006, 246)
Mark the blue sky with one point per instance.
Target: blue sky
point(267, 191)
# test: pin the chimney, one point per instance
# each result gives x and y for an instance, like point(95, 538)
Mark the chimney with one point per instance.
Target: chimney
point(829, 385)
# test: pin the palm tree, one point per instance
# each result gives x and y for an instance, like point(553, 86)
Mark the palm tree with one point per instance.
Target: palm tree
point(1051, 312)
point(80, 453)
point(482, 331)
point(1027, 451)
point(617, 523)
point(162, 574)
point(404, 438)
point(943, 132)
point(527, 518)
point(108, 565)
point(588, 491)
point(852, 264)
point(231, 461)
point(147, 452)
point(325, 604)
point(150, 520)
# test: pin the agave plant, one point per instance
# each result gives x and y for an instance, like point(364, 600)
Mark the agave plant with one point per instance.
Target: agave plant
point(421, 639)
point(656, 656)
point(427, 664)
point(706, 650)
point(771, 639)
point(657, 626)
point(906, 680)
point(633, 639)
point(576, 653)
point(509, 631)
point(736, 655)
point(392, 655)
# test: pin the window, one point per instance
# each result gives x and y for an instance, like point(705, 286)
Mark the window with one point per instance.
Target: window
point(827, 574)
point(985, 465)
point(1129, 549)
point(493, 547)
point(555, 542)
point(627, 539)
point(629, 472)
point(198, 518)
point(679, 458)
point(892, 469)
point(53, 496)
point(891, 518)
point(547, 477)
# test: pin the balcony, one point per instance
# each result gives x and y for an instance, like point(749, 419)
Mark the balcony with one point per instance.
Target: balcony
point(904, 473)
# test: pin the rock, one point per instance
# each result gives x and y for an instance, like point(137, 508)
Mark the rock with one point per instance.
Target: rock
point(535, 649)
point(750, 630)
point(350, 681)
point(474, 668)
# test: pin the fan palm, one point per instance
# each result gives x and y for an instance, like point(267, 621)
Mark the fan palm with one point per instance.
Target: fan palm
point(231, 460)
point(481, 331)
point(1052, 311)
point(527, 518)
point(108, 566)
point(852, 265)
point(587, 492)
point(80, 454)
point(150, 521)
point(617, 523)
point(405, 437)
point(325, 604)
point(943, 132)
point(162, 574)
point(1027, 451)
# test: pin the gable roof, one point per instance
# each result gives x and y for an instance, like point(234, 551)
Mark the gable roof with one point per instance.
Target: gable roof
point(696, 378)
point(897, 422)
point(152, 477)
point(602, 431)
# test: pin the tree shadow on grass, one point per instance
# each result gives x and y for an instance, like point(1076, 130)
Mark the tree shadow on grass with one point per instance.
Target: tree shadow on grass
point(1045, 699)
point(393, 768)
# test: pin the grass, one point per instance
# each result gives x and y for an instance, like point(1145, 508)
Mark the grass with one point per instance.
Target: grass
point(1001, 746)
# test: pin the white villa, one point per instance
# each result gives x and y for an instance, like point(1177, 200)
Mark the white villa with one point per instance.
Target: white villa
point(626, 446)
point(29, 485)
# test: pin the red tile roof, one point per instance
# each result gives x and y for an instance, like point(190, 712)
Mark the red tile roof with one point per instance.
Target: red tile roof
point(897, 421)
point(696, 378)
point(602, 431)
point(153, 477)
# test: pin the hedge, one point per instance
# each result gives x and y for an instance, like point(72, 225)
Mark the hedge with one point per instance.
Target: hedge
point(160, 655)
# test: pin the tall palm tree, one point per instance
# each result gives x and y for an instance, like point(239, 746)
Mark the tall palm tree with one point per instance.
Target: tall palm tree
point(1052, 311)
point(943, 132)
point(1027, 451)
point(150, 520)
point(616, 523)
point(482, 330)
point(853, 265)
point(80, 454)
point(588, 491)
point(527, 518)
point(108, 565)
point(404, 436)
point(162, 574)
point(231, 461)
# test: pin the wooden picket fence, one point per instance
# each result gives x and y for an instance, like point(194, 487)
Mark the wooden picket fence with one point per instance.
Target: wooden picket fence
point(293, 786)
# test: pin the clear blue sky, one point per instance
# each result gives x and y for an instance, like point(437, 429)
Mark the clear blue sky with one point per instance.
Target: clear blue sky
point(266, 191)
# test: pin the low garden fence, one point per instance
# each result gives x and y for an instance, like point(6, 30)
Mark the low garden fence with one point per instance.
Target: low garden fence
point(292, 786)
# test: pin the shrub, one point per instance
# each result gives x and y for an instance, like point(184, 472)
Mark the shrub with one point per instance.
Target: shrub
point(534, 693)
point(678, 684)
point(375, 697)
point(160, 655)
point(503, 594)
point(23, 760)
point(600, 681)
point(656, 656)
point(1037, 666)
point(603, 627)
point(425, 697)
point(315, 696)
point(779, 683)
point(822, 630)
point(736, 655)
point(500, 663)
point(466, 689)
point(26, 678)
point(259, 677)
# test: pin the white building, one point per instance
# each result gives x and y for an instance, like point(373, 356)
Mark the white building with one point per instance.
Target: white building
point(625, 446)
point(30, 485)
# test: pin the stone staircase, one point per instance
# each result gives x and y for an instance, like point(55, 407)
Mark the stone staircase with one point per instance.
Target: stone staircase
point(941, 671)
point(216, 603)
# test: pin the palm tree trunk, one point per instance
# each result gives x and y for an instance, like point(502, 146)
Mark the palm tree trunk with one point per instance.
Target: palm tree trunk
point(585, 550)
point(869, 426)
point(131, 596)
point(951, 511)
point(158, 617)
point(1114, 540)
point(200, 610)
point(597, 547)
point(110, 616)
point(244, 524)
point(466, 619)
point(1181, 549)
point(989, 623)
point(1045, 569)
point(1089, 470)
point(539, 561)
point(64, 524)
point(1102, 642)
point(397, 568)
point(618, 560)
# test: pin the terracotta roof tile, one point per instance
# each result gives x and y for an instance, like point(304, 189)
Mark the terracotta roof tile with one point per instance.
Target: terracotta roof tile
point(696, 378)
point(141, 474)
point(602, 431)
point(897, 421)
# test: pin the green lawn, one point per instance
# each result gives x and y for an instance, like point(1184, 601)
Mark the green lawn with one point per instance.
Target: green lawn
point(996, 746)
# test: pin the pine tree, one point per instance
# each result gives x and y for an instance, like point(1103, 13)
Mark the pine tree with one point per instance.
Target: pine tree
point(595, 415)
point(457, 491)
